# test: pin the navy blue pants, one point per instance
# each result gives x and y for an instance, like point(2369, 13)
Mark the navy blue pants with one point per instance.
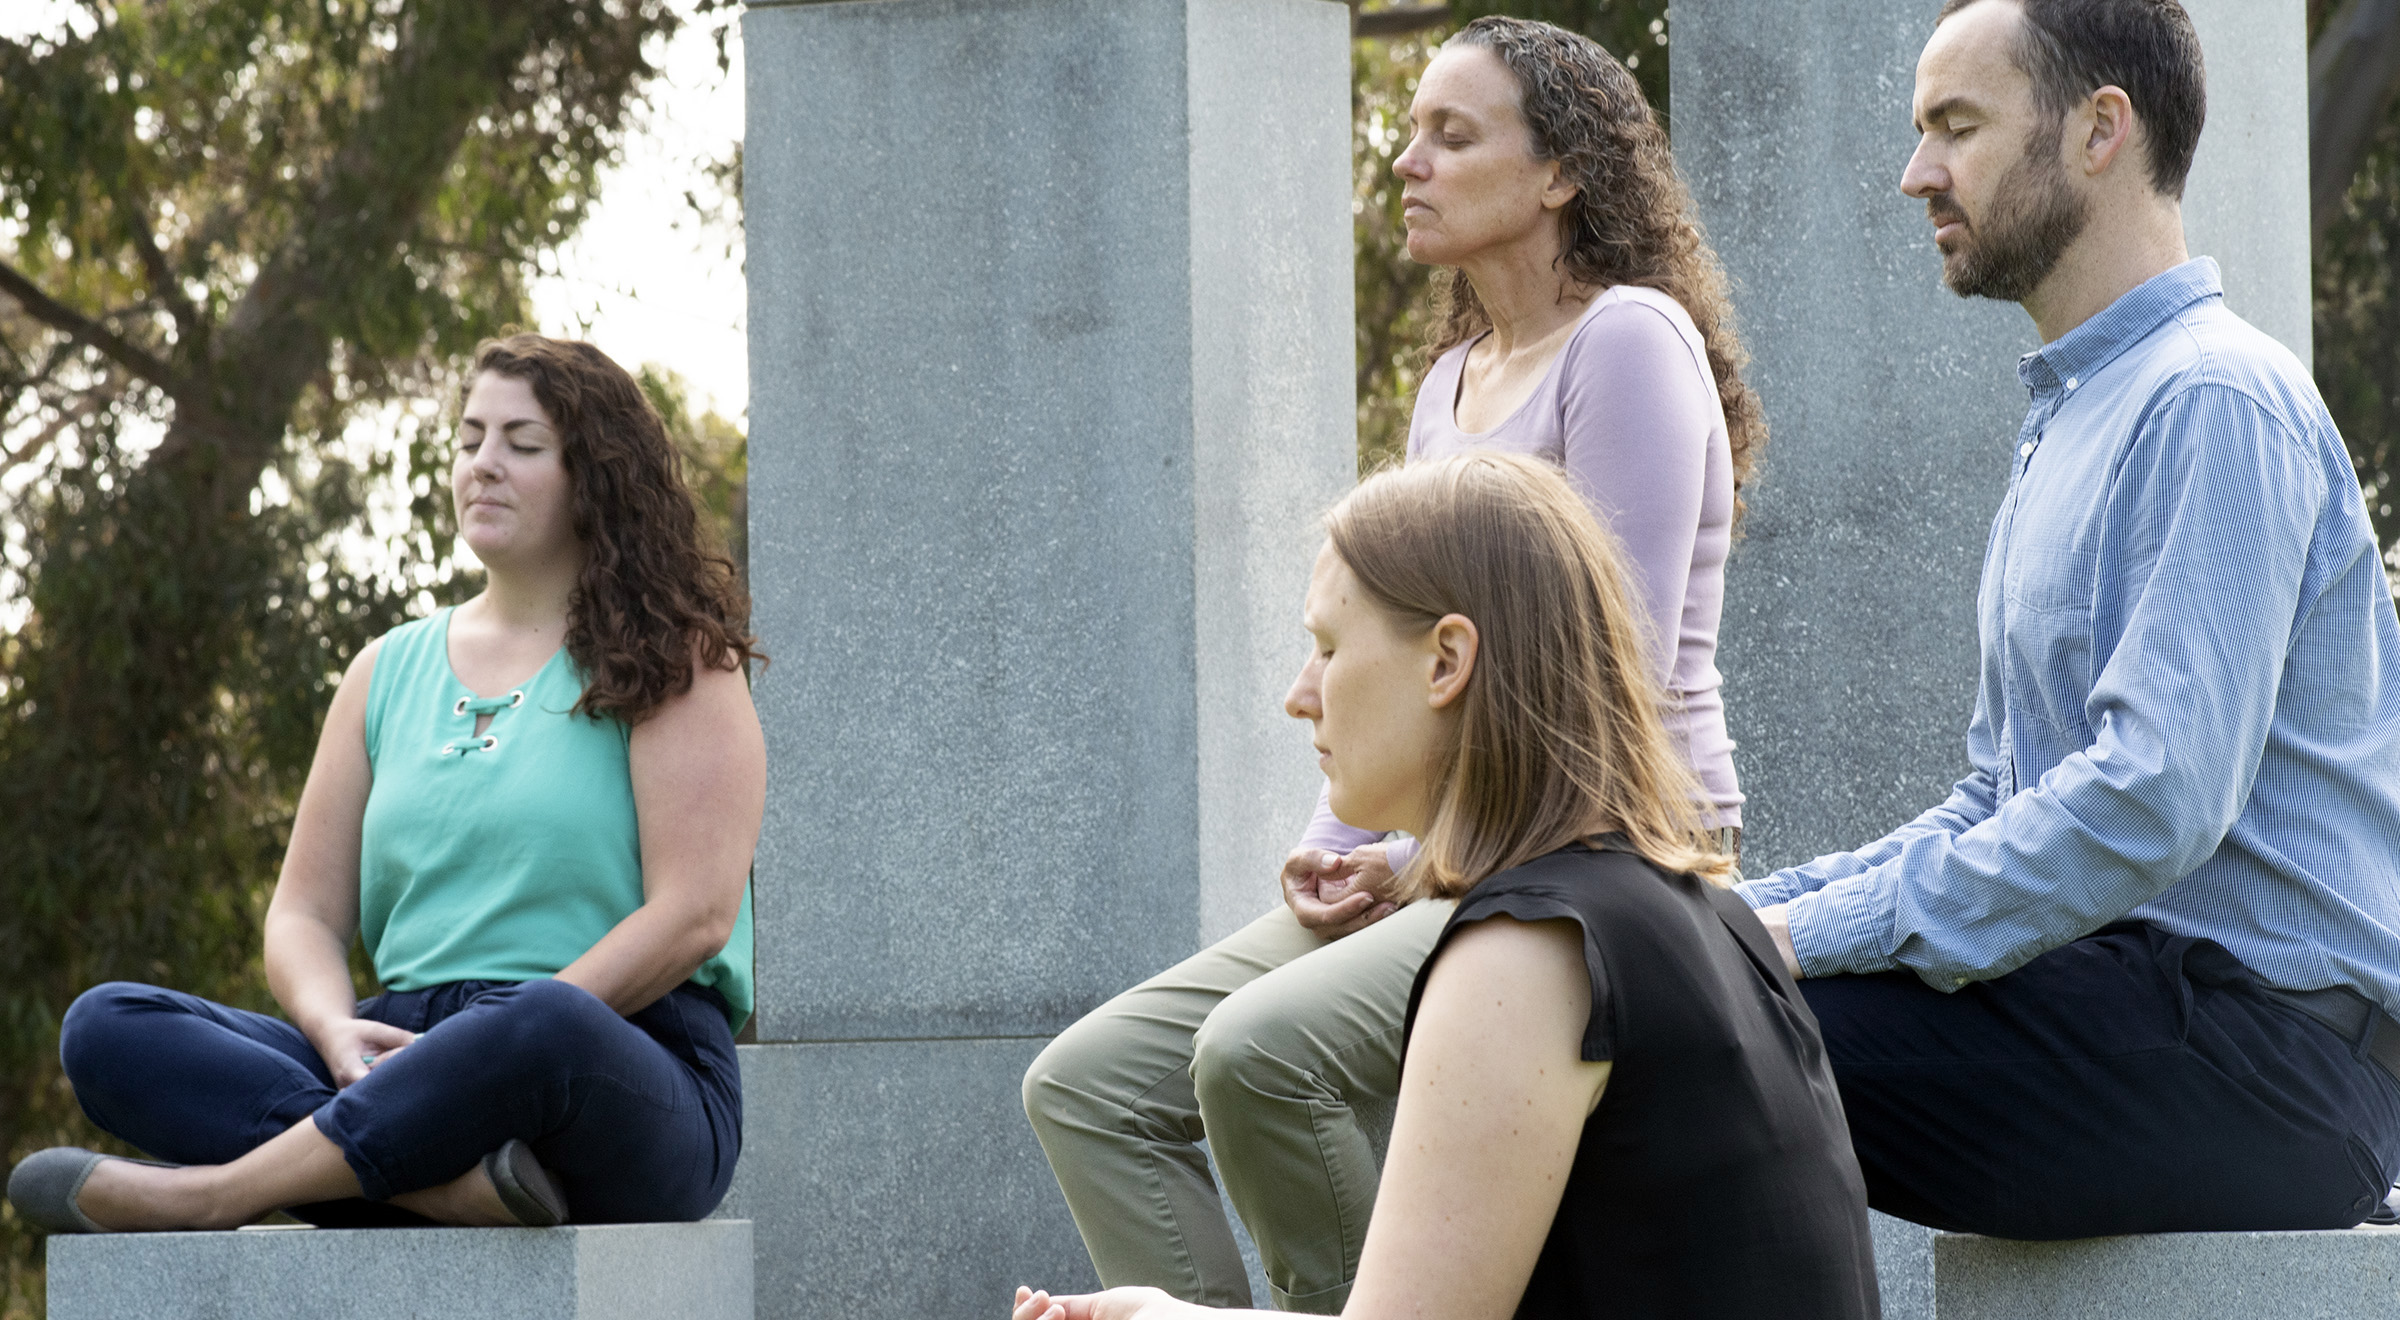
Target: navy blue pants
point(2129, 1082)
point(639, 1118)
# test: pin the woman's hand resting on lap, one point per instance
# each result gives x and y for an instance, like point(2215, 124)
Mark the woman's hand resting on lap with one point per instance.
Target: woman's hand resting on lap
point(1333, 895)
point(345, 1044)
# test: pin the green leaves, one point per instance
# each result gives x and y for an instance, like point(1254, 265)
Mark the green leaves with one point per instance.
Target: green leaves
point(2357, 304)
point(243, 244)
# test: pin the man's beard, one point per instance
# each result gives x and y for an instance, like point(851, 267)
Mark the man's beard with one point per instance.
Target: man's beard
point(2033, 218)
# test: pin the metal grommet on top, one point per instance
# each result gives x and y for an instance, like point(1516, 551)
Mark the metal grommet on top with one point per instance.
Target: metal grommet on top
point(490, 742)
point(447, 749)
point(516, 698)
point(460, 708)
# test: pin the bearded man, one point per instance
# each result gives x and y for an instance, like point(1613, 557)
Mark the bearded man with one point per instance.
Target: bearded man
point(2139, 972)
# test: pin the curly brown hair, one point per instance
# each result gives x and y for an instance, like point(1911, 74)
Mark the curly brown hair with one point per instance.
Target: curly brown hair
point(653, 591)
point(1631, 220)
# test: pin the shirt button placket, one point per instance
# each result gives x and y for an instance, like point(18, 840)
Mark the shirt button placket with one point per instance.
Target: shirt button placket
point(2028, 437)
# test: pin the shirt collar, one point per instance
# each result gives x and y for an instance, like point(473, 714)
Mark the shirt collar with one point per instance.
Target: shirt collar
point(2071, 359)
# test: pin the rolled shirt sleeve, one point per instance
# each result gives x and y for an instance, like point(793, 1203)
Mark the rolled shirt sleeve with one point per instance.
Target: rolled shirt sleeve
point(2194, 586)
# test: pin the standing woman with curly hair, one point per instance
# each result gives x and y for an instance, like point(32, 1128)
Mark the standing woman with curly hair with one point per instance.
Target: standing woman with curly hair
point(1587, 325)
point(538, 808)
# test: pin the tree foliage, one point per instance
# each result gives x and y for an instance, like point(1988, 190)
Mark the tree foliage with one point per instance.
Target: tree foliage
point(2357, 293)
point(2353, 72)
point(2357, 310)
point(241, 242)
point(716, 462)
point(1393, 293)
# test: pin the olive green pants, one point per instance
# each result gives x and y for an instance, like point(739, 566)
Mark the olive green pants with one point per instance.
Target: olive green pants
point(1279, 1049)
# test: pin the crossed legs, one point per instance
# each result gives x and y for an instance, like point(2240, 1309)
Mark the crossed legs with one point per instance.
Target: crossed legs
point(636, 1118)
point(1282, 1052)
point(299, 1167)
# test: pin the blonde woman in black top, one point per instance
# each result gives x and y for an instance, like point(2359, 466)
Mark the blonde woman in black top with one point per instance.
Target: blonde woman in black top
point(1613, 1100)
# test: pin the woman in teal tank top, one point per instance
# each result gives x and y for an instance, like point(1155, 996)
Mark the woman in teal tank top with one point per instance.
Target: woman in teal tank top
point(537, 810)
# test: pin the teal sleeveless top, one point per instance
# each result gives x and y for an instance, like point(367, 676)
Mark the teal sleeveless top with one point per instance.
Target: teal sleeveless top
point(500, 857)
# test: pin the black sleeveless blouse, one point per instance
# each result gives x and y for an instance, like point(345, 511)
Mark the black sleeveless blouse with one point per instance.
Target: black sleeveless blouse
point(1715, 1178)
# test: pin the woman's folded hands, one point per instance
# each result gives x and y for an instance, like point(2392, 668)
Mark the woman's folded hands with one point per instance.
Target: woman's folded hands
point(352, 1046)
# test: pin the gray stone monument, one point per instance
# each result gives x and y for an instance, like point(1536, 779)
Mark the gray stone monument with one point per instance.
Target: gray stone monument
point(1050, 309)
point(2352, 1275)
point(596, 1272)
point(1849, 633)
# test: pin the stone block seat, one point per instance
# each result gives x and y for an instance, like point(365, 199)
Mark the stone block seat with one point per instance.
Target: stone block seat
point(598, 1272)
point(2337, 1275)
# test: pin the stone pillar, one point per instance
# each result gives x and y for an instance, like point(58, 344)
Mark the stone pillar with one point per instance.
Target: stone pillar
point(1849, 636)
point(2246, 203)
point(293, 1272)
point(1051, 354)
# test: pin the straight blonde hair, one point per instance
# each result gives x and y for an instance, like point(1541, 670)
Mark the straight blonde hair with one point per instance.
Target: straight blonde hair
point(1560, 736)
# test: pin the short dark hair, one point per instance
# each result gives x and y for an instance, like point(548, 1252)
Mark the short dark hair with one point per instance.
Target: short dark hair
point(2073, 48)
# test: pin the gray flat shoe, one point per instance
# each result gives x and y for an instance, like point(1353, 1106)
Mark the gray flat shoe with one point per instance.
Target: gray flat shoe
point(525, 1187)
point(44, 1186)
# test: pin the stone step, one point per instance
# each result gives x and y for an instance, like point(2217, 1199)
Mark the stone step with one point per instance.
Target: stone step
point(596, 1272)
point(2346, 1275)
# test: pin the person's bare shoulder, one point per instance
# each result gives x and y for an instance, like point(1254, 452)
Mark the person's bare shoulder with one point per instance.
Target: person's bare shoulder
point(1500, 954)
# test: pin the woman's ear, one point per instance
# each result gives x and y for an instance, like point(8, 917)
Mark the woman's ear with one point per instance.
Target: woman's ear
point(1558, 191)
point(2106, 125)
point(1454, 643)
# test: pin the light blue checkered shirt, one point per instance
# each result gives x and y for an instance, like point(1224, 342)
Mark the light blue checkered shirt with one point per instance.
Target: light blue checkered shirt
point(2189, 705)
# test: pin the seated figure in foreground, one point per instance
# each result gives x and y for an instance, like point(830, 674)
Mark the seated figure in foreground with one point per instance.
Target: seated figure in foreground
point(1588, 325)
point(1612, 1099)
point(2138, 973)
point(539, 809)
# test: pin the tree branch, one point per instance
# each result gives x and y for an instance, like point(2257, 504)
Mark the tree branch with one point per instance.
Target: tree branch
point(116, 348)
point(453, 59)
point(154, 264)
point(2353, 70)
point(1397, 21)
point(40, 439)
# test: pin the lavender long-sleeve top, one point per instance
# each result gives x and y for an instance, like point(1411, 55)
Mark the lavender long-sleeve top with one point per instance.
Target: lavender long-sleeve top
point(1629, 409)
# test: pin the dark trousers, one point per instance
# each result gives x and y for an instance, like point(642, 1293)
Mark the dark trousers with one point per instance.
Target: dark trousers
point(2130, 1082)
point(639, 1118)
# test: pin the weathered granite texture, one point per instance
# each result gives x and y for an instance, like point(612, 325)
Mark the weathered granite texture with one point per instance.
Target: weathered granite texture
point(898, 1170)
point(1050, 336)
point(1051, 353)
point(2352, 1275)
point(599, 1272)
point(1848, 643)
point(2246, 203)
point(1903, 1267)
point(844, 1167)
